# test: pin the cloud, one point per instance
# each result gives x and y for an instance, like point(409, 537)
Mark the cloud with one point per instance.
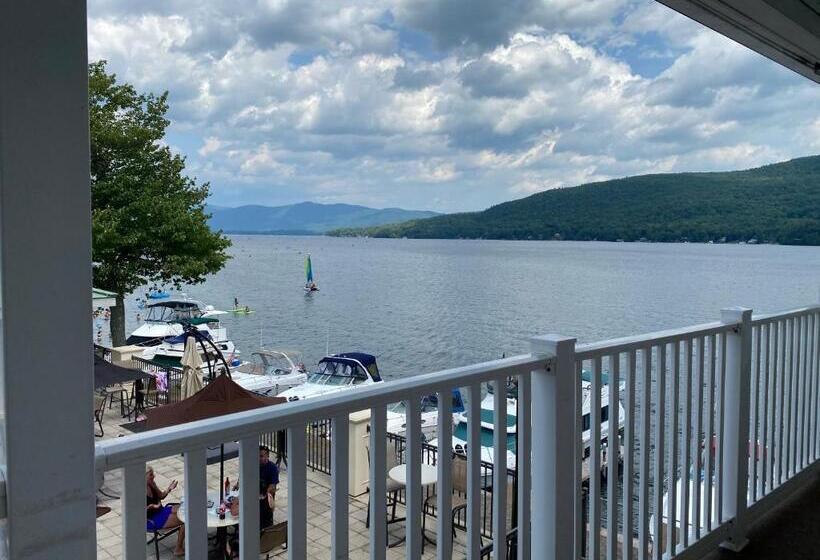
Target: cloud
point(448, 105)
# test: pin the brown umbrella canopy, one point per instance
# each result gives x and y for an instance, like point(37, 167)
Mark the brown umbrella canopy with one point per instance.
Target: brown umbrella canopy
point(221, 396)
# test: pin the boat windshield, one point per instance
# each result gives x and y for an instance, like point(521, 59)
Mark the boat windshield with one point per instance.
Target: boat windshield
point(337, 374)
point(165, 314)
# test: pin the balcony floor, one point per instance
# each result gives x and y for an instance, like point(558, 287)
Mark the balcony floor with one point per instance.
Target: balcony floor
point(109, 526)
point(792, 532)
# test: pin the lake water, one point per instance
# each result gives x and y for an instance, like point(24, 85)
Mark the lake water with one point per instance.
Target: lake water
point(424, 305)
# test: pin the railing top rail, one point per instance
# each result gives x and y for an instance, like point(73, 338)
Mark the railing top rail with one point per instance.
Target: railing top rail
point(761, 318)
point(154, 444)
point(625, 344)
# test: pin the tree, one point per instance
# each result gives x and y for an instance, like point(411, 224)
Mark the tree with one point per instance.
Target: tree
point(149, 220)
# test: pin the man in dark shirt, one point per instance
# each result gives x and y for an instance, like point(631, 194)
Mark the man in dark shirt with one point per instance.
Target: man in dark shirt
point(268, 480)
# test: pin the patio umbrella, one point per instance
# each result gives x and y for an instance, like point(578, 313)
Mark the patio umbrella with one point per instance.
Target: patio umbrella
point(221, 396)
point(191, 375)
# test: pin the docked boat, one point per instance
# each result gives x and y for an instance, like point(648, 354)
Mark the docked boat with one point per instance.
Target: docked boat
point(163, 331)
point(271, 372)
point(335, 373)
point(164, 319)
point(460, 428)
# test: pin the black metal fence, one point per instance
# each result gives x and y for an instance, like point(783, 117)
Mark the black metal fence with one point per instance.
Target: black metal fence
point(173, 376)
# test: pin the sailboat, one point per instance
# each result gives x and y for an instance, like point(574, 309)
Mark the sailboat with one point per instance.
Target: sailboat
point(310, 285)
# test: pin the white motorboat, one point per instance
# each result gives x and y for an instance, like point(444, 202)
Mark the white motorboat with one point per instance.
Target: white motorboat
point(270, 372)
point(163, 332)
point(459, 441)
point(339, 372)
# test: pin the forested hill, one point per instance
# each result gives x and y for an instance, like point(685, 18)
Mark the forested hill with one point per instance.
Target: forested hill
point(777, 203)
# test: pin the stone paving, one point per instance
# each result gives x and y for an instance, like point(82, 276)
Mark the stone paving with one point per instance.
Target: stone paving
point(109, 526)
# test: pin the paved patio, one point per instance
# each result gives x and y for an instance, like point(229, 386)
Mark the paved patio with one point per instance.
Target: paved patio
point(109, 526)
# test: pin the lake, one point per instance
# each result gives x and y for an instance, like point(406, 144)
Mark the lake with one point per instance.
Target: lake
point(425, 305)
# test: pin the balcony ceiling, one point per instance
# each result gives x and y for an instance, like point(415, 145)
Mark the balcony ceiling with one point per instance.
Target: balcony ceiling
point(786, 31)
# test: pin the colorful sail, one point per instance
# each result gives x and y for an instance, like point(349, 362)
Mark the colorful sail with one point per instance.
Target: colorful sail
point(308, 271)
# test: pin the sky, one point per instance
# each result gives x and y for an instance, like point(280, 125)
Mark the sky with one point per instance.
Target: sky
point(447, 105)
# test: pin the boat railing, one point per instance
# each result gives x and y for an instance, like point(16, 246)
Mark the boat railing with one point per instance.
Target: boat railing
point(730, 409)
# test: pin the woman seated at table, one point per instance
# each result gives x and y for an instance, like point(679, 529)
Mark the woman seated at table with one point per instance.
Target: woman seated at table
point(160, 516)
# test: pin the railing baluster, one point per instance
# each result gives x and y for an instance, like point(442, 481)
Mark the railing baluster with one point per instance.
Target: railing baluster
point(660, 436)
point(674, 413)
point(133, 511)
point(687, 441)
point(339, 461)
point(377, 485)
point(720, 429)
point(297, 493)
point(444, 484)
point(412, 456)
point(196, 513)
point(757, 375)
point(643, 515)
point(709, 441)
point(500, 469)
point(697, 441)
point(629, 457)
point(789, 424)
point(580, 528)
point(797, 428)
point(523, 465)
point(771, 405)
point(595, 462)
point(780, 376)
point(813, 373)
point(248, 498)
point(613, 452)
point(474, 472)
point(805, 400)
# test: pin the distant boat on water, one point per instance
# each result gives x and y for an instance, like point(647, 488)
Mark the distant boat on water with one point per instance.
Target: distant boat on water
point(310, 284)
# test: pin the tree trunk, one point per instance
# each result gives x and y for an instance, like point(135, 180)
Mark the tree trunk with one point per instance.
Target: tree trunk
point(117, 323)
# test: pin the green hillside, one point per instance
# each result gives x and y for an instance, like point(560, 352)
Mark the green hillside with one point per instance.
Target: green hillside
point(777, 203)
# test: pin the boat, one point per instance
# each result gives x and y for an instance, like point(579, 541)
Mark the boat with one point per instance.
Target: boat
point(270, 372)
point(162, 332)
point(242, 310)
point(397, 422)
point(165, 319)
point(154, 293)
point(337, 372)
point(310, 284)
point(169, 352)
point(460, 428)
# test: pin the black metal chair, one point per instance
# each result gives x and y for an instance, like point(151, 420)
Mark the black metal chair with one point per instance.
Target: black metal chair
point(99, 410)
point(159, 534)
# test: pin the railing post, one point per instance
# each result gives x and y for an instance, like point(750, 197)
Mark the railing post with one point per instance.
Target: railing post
point(736, 403)
point(553, 457)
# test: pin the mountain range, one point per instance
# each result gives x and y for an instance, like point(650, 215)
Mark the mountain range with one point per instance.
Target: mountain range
point(308, 218)
point(778, 203)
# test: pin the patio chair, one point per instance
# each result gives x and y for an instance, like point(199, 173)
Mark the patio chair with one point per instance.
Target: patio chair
point(392, 487)
point(99, 409)
point(159, 534)
point(459, 499)
point(273, 537)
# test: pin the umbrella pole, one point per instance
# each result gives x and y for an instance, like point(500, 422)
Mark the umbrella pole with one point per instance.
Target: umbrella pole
point(221, 472)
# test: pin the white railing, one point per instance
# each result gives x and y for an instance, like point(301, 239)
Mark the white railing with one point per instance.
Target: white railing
point(720, 423)
point(718, 419)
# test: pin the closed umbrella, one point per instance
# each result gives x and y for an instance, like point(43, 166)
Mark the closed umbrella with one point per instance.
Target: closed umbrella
point(191, 375)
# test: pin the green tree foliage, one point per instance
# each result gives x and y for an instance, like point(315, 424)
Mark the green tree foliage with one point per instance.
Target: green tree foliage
point(149, 220)
point(777, 203)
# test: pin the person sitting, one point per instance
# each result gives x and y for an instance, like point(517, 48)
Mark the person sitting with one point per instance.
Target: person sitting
point(160, 516)
point(268, 481)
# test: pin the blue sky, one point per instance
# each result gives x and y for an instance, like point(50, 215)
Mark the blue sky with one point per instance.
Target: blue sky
point(447, 105)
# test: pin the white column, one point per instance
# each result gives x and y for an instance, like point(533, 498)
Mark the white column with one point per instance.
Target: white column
point(736, 422)
point(553, 418)
point(45, 271)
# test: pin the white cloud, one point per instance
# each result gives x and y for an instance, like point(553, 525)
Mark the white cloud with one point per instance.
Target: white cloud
point(399, 103)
